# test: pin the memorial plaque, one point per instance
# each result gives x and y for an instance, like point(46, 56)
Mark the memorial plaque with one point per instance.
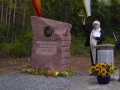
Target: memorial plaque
point(105, 55)
point(46, 48)
point(51, 43)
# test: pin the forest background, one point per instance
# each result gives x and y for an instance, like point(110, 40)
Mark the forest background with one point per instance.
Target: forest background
point(16, 31)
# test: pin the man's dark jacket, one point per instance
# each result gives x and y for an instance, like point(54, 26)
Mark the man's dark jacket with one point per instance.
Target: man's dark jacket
point(117, 44)
point(99, 39)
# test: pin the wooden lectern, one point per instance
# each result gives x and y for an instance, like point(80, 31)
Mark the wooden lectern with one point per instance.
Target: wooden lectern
point(105, 52)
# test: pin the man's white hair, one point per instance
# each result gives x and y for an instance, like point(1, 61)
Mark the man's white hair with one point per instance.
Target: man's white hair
point(96, 22)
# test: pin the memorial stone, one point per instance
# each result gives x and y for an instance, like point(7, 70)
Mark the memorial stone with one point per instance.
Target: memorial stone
point(51, 43)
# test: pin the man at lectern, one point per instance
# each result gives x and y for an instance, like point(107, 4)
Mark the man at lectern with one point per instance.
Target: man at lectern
point(95, 37)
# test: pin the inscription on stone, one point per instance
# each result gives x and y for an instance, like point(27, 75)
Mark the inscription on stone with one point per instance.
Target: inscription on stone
point(105, 55)
point(46, 47)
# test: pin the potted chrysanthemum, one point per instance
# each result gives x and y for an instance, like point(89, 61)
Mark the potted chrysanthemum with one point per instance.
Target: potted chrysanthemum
point(103, 72)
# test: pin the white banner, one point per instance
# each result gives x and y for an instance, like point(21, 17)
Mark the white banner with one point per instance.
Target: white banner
point(87, 7)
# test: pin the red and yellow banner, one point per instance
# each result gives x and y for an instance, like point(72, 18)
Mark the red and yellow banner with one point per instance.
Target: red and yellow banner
point(37, 7)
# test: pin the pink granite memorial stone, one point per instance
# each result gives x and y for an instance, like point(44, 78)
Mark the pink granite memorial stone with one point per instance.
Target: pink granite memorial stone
point(51, 52)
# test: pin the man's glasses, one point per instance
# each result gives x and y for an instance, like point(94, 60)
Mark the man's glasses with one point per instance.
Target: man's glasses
point(95, 24)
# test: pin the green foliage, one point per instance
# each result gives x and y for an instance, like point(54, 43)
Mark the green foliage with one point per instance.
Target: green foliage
point(3, 27)
point(46, 72)
point(21, 47)
point(70, 11)
point(17, 49)
point(4, 1)
point(77, 47)
point(4, 48)
point(109, 40)
point(71, 71)
point(26, 40)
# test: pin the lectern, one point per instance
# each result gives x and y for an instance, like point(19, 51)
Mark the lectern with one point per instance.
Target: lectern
point(105, 52)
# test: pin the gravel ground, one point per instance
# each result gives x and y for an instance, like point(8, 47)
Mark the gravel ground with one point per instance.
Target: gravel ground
point(80, 81)
point(22, 81)
point(87, 82)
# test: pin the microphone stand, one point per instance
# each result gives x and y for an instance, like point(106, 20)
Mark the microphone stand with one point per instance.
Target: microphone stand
point(114, 34)
point(112, 79)
point(119, 76)
point(116, 40)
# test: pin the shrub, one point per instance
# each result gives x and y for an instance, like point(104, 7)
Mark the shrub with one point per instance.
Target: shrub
point(77, 47)
point(20, 47)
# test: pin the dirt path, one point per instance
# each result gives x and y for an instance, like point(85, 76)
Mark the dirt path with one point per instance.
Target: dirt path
point(81, 63)
point(8, 64)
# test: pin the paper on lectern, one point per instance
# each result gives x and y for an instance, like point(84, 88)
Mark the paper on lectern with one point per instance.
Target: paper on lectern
point(92, 40)
point(97, 34)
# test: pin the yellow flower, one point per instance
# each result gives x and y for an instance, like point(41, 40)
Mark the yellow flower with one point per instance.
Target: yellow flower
point(105, 62)
point(103, 71)
point(30, 70)
point(97, 70)
point(92, 68)
point(103, 65)
point(103, 75)
point(66, 73)
point(96, 67)
point(23, 70)
point(99, 73)
point(111, 69)
point(99, 64)
point(111, 64)
point(91, 71)
point(108, 73)
point(56, 73)
point(36, 73)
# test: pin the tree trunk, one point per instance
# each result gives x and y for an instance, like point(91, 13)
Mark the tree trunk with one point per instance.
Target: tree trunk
point(14, 14)
point(24, 15)
point(6, 18)
point(66, 11)
point(9, 20)
point(13, 31)
point(2, 12)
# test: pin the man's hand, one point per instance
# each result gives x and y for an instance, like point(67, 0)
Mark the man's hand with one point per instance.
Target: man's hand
point(93, 37)
point(83, 21)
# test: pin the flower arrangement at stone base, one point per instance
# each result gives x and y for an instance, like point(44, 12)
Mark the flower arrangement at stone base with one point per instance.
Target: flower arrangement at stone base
point(46, 72)
point(103, 72)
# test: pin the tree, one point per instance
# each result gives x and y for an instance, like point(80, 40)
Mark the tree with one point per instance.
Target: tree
point(2, 12)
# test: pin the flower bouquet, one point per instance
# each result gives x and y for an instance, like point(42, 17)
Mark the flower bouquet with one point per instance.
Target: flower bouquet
point(102, 69)
point(46, 72)
point(103, 72)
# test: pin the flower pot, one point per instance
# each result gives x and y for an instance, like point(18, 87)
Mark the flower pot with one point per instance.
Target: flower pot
point(103, 80)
